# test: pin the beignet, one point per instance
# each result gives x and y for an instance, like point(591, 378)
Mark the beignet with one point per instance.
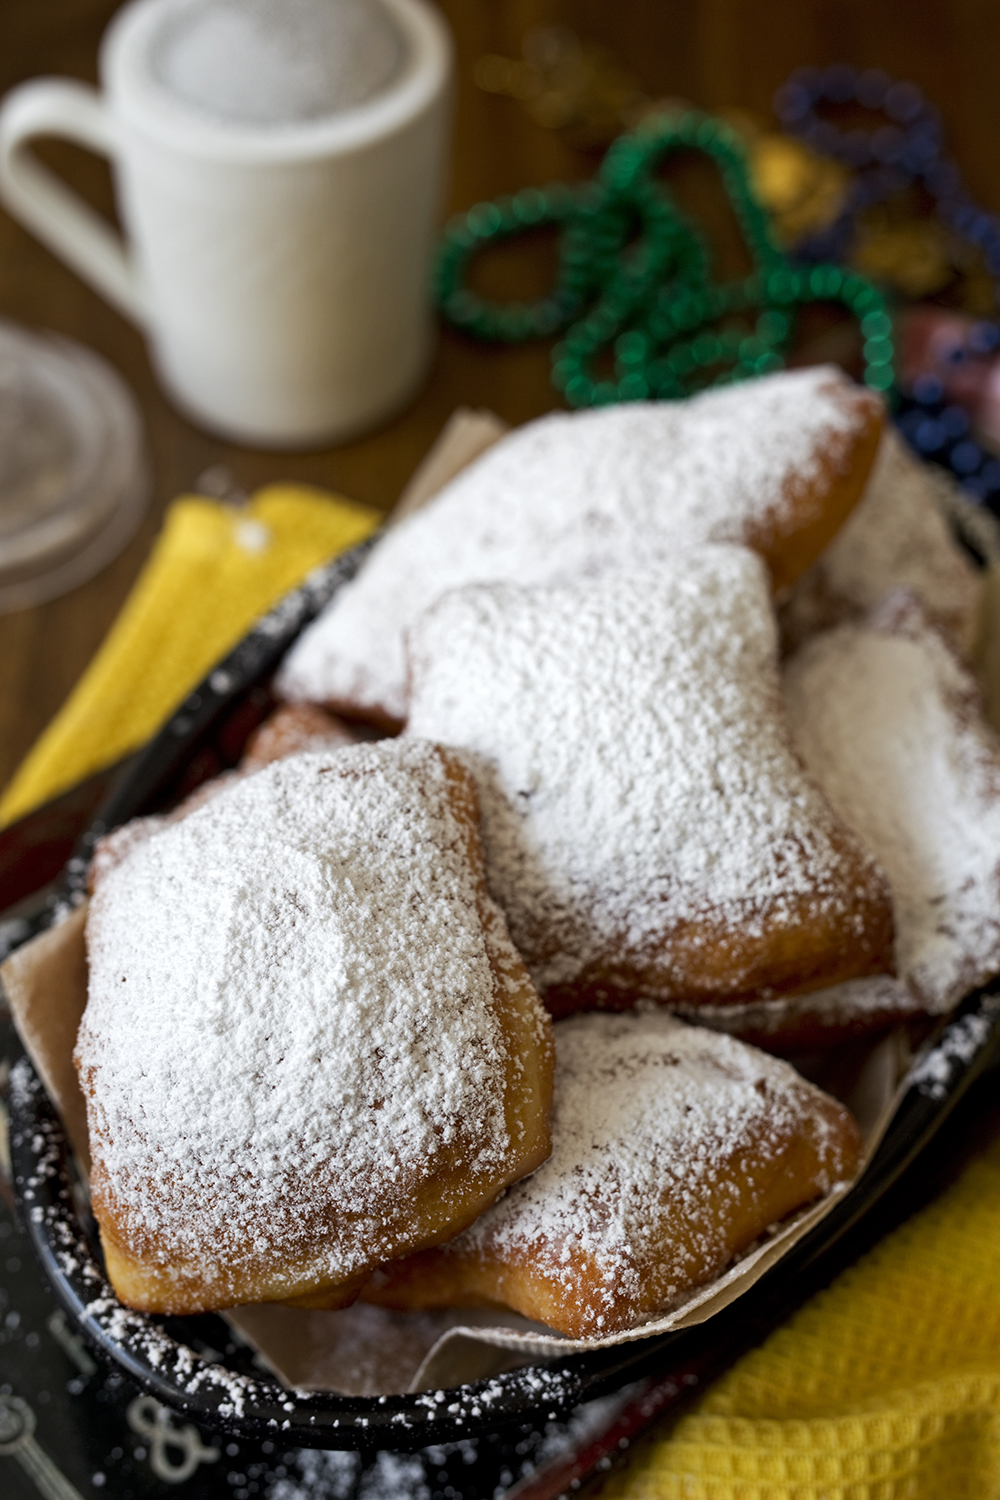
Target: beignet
point(673, 1149)
point(291, 728)
point(897, 536)
point(887, 719)
point(775, 464)
point(309, 1043)
point(648, 829)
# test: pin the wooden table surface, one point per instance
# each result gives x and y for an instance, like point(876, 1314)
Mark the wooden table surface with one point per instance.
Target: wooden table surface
point(711, 52)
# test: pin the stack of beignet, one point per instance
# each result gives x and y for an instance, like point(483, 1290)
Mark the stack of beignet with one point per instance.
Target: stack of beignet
point(316, 1062)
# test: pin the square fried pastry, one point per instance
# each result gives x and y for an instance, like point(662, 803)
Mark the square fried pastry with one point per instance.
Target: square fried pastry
point(775, 464)
point(673, 1149)
point(887, 719)
point(309, 1043)
point(648, 828)
point(897, 536)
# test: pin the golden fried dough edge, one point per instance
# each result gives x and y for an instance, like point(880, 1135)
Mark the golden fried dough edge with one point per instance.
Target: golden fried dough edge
point(845, 463)
point(712, 963)
point(563, 1286)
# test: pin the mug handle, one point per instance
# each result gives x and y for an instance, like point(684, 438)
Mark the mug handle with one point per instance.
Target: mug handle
point(55, 214)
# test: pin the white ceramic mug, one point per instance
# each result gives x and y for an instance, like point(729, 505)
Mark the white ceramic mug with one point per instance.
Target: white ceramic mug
point(282, 274)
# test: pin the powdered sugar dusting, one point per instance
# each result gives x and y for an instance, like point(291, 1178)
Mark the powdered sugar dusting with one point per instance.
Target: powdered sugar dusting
point(887, 720)
point(290, 729)
point(617, 486)
point(647, 1117)
point(896, 537)
point(636, 773)
point(291, 1015)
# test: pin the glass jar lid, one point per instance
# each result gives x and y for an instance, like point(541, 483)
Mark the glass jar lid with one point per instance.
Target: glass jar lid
point(74, 477)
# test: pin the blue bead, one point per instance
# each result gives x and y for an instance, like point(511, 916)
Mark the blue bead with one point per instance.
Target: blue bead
point(991, 474)
point(822, 137)
point(948, 208)
point(903, 102)
point(791, 103)
point(918, 155)
point(908, 424)
point(928, 127)
point(872, 87)
point(929, 436)
point(955, 421)
point(839, 83)
point(888, 143)
point(965, 458)
point(983, 338)
point(944, 178)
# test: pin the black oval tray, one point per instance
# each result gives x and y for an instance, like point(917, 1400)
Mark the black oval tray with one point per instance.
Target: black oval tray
point(176, 1360)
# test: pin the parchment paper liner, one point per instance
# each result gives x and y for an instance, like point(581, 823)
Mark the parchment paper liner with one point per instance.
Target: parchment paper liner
point(363, 1350)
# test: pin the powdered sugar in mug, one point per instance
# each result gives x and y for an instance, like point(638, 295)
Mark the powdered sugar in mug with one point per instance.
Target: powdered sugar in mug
point(279, 170)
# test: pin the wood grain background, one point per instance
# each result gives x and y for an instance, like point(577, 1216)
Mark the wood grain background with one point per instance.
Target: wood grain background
point(711, 52)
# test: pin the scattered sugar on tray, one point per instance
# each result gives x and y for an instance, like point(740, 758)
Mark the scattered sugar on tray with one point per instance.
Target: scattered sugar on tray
point(634, 763)
point(285, 994)
point(646, 1110)
point(935, 1072)
point(577, 493)
point(887, 719)
point(334, 1475)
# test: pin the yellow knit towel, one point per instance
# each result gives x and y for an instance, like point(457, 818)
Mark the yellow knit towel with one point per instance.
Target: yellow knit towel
point(212, 572)
point(886, 1385)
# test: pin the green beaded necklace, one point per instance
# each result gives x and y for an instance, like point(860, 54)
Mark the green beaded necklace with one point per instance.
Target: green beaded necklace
point(672, 329)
